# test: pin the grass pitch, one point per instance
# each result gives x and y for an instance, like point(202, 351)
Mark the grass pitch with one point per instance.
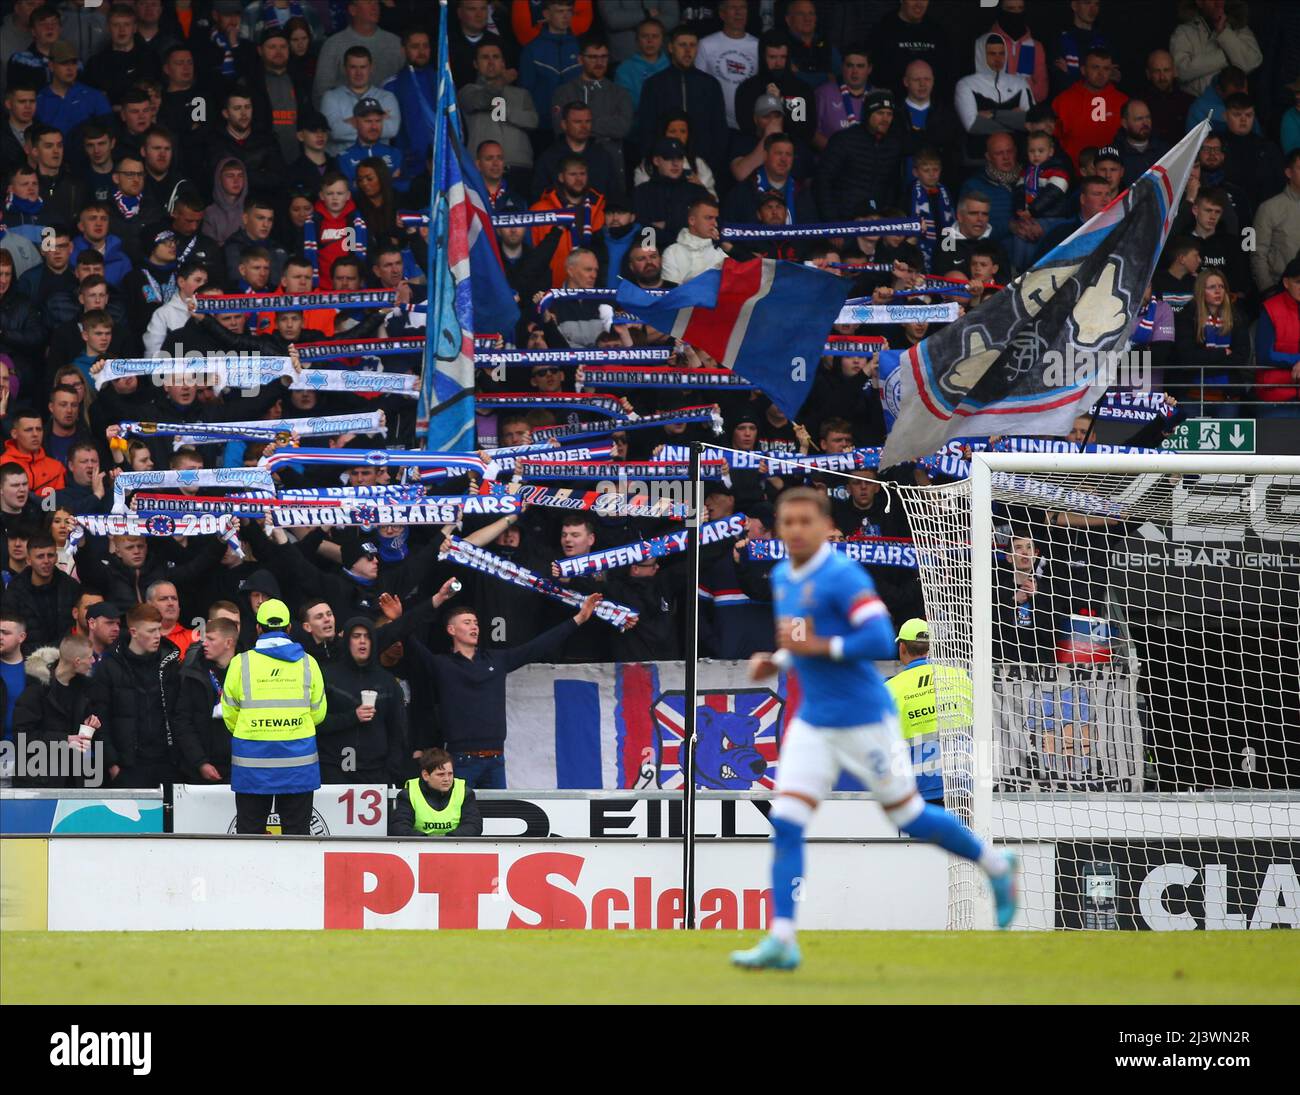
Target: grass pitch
point(630, 967)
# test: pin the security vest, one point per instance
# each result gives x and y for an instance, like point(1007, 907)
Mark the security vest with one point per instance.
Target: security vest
point(272, 707)
point(433, 822)
point(917, 699)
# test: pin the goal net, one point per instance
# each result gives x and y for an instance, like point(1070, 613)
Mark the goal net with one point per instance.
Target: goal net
point(1131, 625)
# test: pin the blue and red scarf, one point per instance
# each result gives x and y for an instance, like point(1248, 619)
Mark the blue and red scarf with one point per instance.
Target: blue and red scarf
point(934, 209)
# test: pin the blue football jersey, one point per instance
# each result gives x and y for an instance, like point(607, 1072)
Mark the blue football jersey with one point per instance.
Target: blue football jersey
point(838, 597)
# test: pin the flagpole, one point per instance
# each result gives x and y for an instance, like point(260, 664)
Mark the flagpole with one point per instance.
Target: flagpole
point(690, 686)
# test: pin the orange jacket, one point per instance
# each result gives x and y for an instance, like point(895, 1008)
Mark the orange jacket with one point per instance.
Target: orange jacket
point(44, 473)
point(523, 14)
point(550, 199)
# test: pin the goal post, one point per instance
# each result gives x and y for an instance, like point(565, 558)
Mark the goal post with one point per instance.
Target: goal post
point(1131, 627)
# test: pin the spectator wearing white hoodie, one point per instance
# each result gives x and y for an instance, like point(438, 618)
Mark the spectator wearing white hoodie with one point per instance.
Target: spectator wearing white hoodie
point(992, 100)
point(695, 250)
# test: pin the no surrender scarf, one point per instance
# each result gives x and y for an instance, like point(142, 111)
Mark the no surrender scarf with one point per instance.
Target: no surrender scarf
point(465, 554)
point(626, 555)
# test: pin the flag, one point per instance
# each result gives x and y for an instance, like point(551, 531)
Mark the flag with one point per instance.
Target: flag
point(446, 408)
point(995, 371)
point(763, 319)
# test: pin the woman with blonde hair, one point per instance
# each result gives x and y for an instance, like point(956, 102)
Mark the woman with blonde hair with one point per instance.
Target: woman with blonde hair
point(1211, 348)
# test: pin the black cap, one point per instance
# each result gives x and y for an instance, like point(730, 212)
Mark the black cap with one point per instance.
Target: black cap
point(764, 512)
point(368, 105)
point(745, 416)
point(312, 120)
point(879, 99)
point(1109, 152)
point(271, 32)
point(105, 610)
point(670, 148)
point(717, 486)
point(770, 196)
point(261, 581)
point(1292, 269)
point(355, 549)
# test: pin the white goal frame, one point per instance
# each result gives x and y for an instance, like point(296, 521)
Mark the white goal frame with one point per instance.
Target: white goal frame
point(983, 466)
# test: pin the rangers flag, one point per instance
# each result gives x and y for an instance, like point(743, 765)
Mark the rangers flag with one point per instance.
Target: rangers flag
point(764, 319)
point(990, 372)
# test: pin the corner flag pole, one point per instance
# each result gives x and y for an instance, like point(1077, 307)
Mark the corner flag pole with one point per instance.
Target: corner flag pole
point(691, 687)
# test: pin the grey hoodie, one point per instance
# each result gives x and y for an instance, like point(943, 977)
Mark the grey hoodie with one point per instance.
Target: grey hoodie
point(225, 216)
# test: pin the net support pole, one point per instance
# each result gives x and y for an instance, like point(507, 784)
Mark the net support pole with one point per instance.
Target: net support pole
point(691, 686)
point(981, 669)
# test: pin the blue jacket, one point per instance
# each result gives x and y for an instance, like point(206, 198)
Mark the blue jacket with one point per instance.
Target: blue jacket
point(66, 112)
point(548, 61)
point(409, 87)
point(350, 158)
point(635, 71)
point(116, 263)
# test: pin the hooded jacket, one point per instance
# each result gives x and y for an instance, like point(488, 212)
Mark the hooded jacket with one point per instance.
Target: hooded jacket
point(225, 216)
point(689, 256)
point(44, 473)
point(1001, 92)
point(352, 751)
point(48, 710)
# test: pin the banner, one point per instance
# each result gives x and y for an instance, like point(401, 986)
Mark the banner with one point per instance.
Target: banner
point(601, 503)
point(626, 555)
point(870, 551)
point(449, 463)
point(860, 229)
point(709, 413)
point(157, 524)
point(658, 377)
point(626, 355)
point(226, 303)
point(441, 510)
point(465, 554)
point(619, 471)
point(197, 478)
point(334, 348)
point(328, 425)
point(880, 315)
point(561, 402)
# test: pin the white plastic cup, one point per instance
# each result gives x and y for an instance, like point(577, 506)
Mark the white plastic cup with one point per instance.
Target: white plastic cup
point(368, 697)
point(86, 731)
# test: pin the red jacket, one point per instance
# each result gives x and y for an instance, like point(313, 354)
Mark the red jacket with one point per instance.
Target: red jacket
point(580, 234)
point(1274, 381)
point(44, 473)
point(1076, 128)
point(336, 237)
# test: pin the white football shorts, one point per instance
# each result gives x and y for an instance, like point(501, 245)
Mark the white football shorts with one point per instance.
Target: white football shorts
point(812, 758)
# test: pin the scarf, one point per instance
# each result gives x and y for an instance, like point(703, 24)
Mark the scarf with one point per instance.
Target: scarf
point(1002, 178)
point(656, 547)
point(905, 227)
point(156, 291)
point(486, 358)
point(601, 503)
point(934, 209)
point(602, 428)
point(764, 186)
point(467, 555)
point(1214, 337)
point(129, 207)
point(227, 54)
point(22, 205)
point(535, 468)
point(653, 376)
point(562, 402)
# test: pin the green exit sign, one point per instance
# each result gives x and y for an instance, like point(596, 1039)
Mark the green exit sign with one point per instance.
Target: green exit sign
point(1213, 435)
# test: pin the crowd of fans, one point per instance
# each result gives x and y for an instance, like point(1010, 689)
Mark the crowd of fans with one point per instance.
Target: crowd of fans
point(156, 152)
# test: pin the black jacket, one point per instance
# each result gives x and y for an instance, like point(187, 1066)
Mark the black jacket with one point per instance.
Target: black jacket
point(699, 95)
point(47, 609)
point(858, 168)
point(352, 751)
point(200, 737)
point(109, 576)
point(50, 711)
point(662, 203)
point(135, 698)
point(401, 818)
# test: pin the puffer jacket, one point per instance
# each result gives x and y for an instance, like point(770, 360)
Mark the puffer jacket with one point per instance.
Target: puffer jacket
point(48, 710)
point(135, 698)
point(858, 168)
